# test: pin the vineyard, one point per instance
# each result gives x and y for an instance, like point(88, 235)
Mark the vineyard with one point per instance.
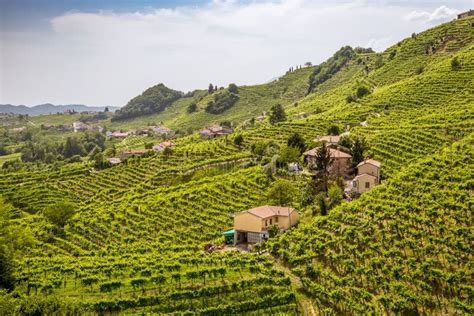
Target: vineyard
point(136, 242)
point(402, 247)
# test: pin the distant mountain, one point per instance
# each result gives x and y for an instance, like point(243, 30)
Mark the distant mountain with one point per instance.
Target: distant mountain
point(49, 108)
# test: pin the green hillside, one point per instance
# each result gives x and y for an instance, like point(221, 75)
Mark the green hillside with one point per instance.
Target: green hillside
point(131, 238)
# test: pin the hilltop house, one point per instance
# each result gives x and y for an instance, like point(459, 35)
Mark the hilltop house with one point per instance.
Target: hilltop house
point(128, 153)
point(162, 146)
point(161, 130)
point(117, 135)
point(340, 165)
point(466, 14)
point(114, 161)
point(368, 176)
point(251, 226)
point(215, 131)
point(329, 139)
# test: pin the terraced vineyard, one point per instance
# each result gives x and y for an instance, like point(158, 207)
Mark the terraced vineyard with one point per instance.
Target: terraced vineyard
point(402, 247)
point(136, 241)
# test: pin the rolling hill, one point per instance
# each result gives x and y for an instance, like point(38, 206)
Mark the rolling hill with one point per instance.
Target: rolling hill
point(48, 108)
point(136, 241)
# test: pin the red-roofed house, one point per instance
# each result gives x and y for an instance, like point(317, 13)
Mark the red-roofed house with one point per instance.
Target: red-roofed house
point(251, 226)
point(340, 165)
point(125, 154)
point(215, 131)
point(163, 145)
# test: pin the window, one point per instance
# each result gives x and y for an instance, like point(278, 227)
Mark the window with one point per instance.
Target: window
point(266, 223)
point(276, 219)
point(367, 185)
point(270, 221)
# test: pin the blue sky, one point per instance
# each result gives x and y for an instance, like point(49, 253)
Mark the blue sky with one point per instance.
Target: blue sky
point(106, 52)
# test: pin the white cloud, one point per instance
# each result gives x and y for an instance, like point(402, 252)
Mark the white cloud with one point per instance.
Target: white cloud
point(440, 14)
point(107, 58)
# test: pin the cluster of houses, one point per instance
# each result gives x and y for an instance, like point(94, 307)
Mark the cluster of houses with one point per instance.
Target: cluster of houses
point(150, 130)
point(78, 126)
point(368, 171)
point(215, 131)
point(140, 152)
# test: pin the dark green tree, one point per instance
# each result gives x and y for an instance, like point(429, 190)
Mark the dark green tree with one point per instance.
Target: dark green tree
point(334, 130)
point(282, 192)
point(322, 163)
point(233, 88)
point(192, 108)
point(277, 114)
point(295, 140)
point(357, 151)
point(58, 214)
point(239, 140)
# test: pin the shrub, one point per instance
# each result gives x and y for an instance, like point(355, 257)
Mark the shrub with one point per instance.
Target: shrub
point(192, 108)
point(239, 140)
point(419, 70)
point(362, 91)
point(233, 88)
point(221, 102)
point(455, 64)
point(277, 114)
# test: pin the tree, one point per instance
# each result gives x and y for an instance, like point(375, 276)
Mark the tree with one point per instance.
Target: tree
point(289, 154)
point(282, 192)
point(362, 91)
point(334, 130)
point(378, 62)
point(273, 230)
point(239, 140)
point(106, 109)
point(455, 64)
point(335, 194)
point(308, 64)
point(277, 114)
point(192, 108)
point(233, 88)
point(322, 163)
point(321, 202)
point(295, 140)
point(210, 90)
point(58, 214)
point(357, 151)
point(167, 152)
point(73, 147)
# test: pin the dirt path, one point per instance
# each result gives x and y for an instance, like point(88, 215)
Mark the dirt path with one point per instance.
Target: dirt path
point(303, 300)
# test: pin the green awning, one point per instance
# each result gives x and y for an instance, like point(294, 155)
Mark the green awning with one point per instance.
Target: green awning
point(229, 233)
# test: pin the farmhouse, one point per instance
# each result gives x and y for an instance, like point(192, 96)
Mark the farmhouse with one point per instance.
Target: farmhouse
point(466, 14)
point(162, 130)
point(118, 135)
point(114, 161)
point(128, 153)
point(329, 139)
point(251, 226)
point(368, 176)
point(340, 165)
point(215, 131)
point(162, 146)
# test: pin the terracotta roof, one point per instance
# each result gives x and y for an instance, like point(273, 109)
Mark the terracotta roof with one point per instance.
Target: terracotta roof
point(329, 139)
point(269, 211)
point(370, 161)
point(364, 174)
point(333, 152)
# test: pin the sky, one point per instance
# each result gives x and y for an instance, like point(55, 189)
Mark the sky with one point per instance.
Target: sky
point(105, 52)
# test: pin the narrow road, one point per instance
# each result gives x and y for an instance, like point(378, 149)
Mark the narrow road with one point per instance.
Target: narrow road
point(303, 300)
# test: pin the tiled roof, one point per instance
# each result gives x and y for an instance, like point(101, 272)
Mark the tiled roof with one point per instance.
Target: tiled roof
point(370, 161)
point(333, 152)
point(269, 211)
point(364, 174)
